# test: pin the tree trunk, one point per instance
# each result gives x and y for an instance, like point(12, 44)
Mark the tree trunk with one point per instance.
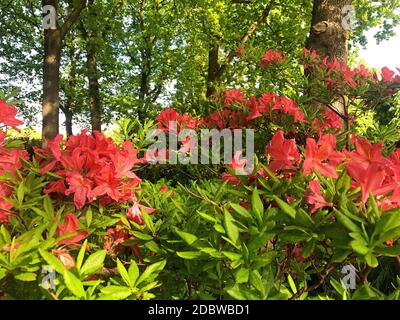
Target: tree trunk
point(52, 44)
point(94, 87)
point(213, 68)
point(327, 35)
point(70, 103)
point(51, 79)
point(92, 71)
point(68, 122)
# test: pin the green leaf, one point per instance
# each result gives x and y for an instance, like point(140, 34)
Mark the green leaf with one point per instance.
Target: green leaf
point(236, 293)
point(89, 217)
point(391, 251)
point(133, 271)
point(346, 222)
point(189, 254)
point(20, 193)
point(28, 276)
point(240, 210)
point(387, 221)
point(230, 227)
point(81, 255)
point(48, 207)
point(359, 247)
point(93, 263)
point(142, 236)
point(73, 284)
point(292, 284)
point(123, 273)
point(115, 293)
point(52, 261)
point(371, 260)
point(340, 255)
point(257, 206)
point(187, 237)
point(256, 282)
point(242, 275)
point(286, 208)
point(151, 271)
point(3, 273)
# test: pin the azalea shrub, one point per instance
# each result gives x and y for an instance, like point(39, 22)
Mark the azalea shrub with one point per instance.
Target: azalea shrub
point(91, 217)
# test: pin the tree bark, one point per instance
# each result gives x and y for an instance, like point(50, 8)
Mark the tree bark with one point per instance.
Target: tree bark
point(213, 67)
point(70, 104)
point(327, 35)
point(328, 38)
point(51, 79)
point(52, 43)
point(93, 74)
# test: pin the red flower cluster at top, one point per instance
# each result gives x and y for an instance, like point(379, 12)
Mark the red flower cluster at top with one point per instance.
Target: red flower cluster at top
point(232, 115)
point(272, 56)
point(169, 118)
point(10, 159)
point(91, 167)
point(338, 76)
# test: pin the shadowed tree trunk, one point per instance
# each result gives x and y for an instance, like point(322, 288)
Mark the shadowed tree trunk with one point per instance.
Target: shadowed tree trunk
point(92, 70)
point(70, 92)
point(52, 44)
point(213, 67)
point(51, 78)
point(328, 36)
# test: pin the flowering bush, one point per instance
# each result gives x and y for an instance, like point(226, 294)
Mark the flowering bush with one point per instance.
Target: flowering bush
point(77, 221)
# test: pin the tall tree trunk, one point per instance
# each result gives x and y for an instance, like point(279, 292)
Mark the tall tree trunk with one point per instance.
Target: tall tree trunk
point(52, 43)
point(51, 79)
point(94, 87)
point(94, 100)
point(328, 38)
point(327, 35)
point(70, 103)
point(213, 68)
point(68, 122)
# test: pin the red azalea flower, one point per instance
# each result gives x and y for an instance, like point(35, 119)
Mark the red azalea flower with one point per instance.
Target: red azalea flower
point(271, 56)
point(226, 176)
point(288, 106)
point(253, 106)
point(166, 117)
point(134, 213)
point(234, 95)
point(370, 179)
point(7, 115)
point(283, 152)
point(387, 74)
point(322, 157)
point(65, 257)
point(164, 189)
point(238, 164)
point(70, 227)
point(80, 186)
point(315, 198)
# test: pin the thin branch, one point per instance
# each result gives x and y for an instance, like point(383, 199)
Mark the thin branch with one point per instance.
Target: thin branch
point(246, 37)
point(72, 17)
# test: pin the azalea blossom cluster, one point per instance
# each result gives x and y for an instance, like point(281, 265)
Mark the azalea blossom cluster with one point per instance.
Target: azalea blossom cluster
point(10, 159)
point(367, 167)
point(93, 167)
point(340, 78)
point(236, 112)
